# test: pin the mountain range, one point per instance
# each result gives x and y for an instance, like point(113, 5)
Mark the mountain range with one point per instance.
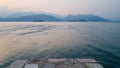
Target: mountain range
point(44, 16)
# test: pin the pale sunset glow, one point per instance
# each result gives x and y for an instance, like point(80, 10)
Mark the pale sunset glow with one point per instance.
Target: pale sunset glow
point(105, 8)
point(75, 33)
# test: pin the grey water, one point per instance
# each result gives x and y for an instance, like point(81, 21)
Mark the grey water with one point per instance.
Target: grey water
point(33, 40)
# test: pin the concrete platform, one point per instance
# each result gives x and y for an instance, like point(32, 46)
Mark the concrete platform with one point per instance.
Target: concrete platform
point(18, 64)
point(56, 63)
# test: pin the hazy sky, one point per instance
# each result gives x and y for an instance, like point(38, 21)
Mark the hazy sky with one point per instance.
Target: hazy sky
point(105, 8)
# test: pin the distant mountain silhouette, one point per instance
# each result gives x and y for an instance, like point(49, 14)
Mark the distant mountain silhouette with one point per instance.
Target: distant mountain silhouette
point(84, 18)
point(38, 17)
point(20, 14)
point(43, 16)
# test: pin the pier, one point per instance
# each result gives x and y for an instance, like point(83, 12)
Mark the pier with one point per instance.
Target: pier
point(56, 63)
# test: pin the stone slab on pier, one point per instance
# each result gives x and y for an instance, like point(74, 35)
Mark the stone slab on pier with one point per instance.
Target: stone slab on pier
point(56, 63)
point(18, 64)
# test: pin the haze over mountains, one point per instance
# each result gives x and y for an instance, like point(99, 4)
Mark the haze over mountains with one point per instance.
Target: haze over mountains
point(44, 16)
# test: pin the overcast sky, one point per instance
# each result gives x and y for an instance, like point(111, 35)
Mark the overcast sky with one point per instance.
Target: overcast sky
point(106, 8)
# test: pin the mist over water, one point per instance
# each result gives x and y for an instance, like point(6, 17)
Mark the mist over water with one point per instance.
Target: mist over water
point(32, 40)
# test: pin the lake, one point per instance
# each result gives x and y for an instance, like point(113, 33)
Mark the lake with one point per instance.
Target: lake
point(32, 40)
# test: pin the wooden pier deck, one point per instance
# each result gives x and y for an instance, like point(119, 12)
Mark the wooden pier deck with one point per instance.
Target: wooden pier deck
point(56, 63)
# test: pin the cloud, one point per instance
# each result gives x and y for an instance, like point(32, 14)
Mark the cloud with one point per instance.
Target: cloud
point(6, 11)
point(104, 8)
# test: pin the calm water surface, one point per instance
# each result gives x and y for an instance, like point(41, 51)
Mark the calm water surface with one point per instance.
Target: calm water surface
point(26, 40)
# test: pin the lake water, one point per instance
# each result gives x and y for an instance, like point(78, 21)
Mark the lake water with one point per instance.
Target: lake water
point(31, 40)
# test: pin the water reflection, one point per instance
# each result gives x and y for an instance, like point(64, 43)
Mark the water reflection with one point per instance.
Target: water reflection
point(60, 40)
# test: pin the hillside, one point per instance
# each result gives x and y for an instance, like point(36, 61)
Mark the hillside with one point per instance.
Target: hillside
point(54, 17)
